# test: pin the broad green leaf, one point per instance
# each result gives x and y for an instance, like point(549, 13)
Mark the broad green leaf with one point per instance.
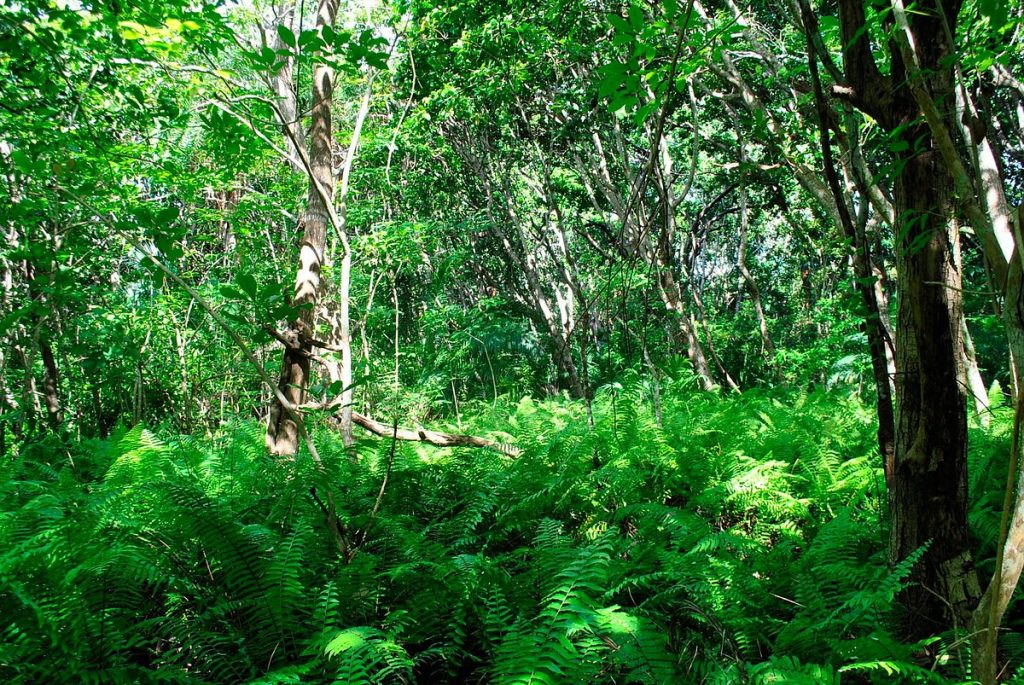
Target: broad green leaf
point(286, 35)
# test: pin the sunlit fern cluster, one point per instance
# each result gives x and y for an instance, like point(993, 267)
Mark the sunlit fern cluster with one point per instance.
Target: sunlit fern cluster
point(739, 540)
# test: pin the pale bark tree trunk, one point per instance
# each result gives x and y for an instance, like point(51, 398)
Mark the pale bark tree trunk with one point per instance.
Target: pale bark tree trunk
point(665, 260)
point(29, 396)
point(526, 256)
point(283, 83)
point(767, 346)
point(341, 332)
point(974, 381)
point(282, 429)
point(657, 251)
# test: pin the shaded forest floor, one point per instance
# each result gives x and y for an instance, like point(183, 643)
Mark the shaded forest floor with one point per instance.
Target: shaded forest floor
point(740, 540)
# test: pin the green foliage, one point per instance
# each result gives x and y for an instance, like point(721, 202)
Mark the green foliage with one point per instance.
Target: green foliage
point(739, 541)
point(547, 198)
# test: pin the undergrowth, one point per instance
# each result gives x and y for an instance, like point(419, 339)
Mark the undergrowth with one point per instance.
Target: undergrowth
point(740, 541)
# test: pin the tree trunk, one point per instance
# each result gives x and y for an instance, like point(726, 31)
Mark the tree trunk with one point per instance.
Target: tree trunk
point(282, 430)
point(283, 84)
point(767, 346)
point(974, 381)
point(341, 333)
point(867, 278)
point(929, 486)
point(672, 297)
point(51, 386)
point(928, 491)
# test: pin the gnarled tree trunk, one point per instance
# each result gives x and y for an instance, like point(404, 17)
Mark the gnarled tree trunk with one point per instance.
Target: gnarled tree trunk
point(928, 489)
point(282, 430)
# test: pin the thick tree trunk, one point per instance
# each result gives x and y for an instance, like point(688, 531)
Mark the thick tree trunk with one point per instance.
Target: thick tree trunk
point(928, 490)
point(929, 485)
point(282, 430)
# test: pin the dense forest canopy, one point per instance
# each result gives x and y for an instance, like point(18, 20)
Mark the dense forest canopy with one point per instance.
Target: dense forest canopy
point(506, 341)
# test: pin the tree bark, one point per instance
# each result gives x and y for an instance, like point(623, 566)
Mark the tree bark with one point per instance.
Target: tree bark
point(435, 438)
point(767, 346)
point(928, 490)
point(974, 381)
point(341, 333)
point(283, 84)
point(51, 386)
point(868, 284)
point(929, 485)
point(282, 429)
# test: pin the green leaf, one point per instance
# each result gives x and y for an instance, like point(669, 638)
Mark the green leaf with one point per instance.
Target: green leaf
point(620, 25)
point(247, 284)
point(996, 11)
point(131, 30)
point(897, 146)
point(346, 640)
point(286, 35)
point(636, 17)
point(166, 215)
point(231, 292)
point(22, 162)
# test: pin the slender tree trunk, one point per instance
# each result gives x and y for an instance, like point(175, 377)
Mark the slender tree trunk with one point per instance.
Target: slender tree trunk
point(767, 347)
point(341, 334)
point(29, 396)
point(755, 293)
point(974, 381)
point(672, 297)
point(867, 278)
point(283, 83)
point(282, 430)
point(51, 386)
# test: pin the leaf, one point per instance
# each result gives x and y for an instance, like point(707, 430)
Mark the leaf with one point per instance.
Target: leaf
point(166, 215)
point(828, 23)
point(286, 35)
point(231, 292)
point(265, 57)
point(346, 640)
point(620, 25)
point(131, 30)
point(996, 11)
point(8, 321)
point(636, 17)
point(22, 162)
point(897, 146)
point(247, 284)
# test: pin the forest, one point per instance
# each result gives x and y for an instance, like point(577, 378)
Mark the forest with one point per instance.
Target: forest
point(511, 341)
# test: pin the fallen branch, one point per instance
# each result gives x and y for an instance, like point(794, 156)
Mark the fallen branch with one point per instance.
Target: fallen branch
point(430, 437)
